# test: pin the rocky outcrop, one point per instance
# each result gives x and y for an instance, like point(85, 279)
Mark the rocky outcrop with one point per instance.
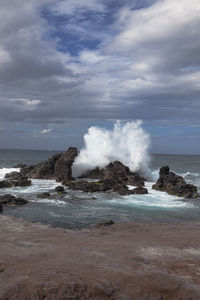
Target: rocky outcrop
point(44, 170)
point(12, 200)
point(63, 170)
point(114, 177)
point(174, 185)
point(56, 167)
point(120, 173)
point(17, 179)
point(5, 184)
point(60, 189)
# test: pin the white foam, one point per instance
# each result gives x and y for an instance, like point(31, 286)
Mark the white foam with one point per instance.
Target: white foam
point(153, 199)
point(126, 142)
point(4, 171)
point(53, 202)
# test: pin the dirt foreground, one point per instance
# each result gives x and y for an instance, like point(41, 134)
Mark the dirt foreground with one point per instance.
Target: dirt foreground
point(121, 261)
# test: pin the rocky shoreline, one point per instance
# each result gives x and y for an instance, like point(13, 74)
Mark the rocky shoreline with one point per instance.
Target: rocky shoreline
point(118, 262)
point(115, 177)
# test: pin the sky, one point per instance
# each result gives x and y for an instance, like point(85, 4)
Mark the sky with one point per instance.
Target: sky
point(66, 65)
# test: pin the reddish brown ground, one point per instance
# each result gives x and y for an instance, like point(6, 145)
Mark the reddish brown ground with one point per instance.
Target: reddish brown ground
point(122, 261)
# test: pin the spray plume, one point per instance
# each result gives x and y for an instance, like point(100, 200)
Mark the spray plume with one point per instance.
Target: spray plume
point(126, 142)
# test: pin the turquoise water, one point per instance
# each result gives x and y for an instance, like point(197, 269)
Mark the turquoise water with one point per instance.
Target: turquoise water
point(78, 210)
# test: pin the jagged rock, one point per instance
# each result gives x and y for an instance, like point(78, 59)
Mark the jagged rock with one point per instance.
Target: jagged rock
point(56, 167)
point(12, 200)
point(1, 207)
point(44, 195)
point(117, 173)
point(5, 184)
point(96, 173)
point(60, 189)
point(63, 170)
point(139, 190)
point(175, 185)
point(44, 170)
point(17, 179)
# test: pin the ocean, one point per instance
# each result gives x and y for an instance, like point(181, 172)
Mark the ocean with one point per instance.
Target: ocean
point(77, 210)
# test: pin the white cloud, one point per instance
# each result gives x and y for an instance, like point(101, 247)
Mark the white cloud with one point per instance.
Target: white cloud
point(45, 131)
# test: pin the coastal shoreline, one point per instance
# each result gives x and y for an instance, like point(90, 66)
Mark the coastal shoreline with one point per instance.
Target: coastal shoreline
point(131, 260)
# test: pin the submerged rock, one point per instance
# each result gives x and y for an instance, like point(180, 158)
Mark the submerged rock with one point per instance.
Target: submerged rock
point(12, 200)
point(44, 195)
point(60, 189)
point(174, 184)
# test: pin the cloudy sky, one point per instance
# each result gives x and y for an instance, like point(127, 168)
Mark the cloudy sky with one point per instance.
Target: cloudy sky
point(68, 64)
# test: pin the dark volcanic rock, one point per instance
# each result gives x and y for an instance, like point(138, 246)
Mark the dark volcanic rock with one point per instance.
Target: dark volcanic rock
point(43, 170)
point(44, 195)
point(11, 200)
point(87, 186)
point(113, 177)
point(5, 184)
point(63, 170)
point(17, 179)
point(139, 190)
point(96, 173)
point(175, 185)
point(59, 189)
point(117, 173)
point(13, 175)
point(56, 167)
point(121, 189)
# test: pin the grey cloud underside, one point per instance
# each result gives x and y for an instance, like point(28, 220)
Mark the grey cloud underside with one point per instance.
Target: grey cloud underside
point(153, 78)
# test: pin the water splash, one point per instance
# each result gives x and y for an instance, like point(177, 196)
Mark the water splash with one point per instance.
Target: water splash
point(126, 142)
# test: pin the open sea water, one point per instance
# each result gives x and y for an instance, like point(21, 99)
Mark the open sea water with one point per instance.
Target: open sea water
point(76, 210)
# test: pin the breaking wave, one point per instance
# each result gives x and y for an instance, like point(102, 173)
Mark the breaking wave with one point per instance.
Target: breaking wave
point(126, 142)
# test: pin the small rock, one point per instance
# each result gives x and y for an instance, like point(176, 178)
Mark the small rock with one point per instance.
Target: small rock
point(59, 189)
point(139, 190)
point(5, 184)
point(12, 200)
point(44, 195)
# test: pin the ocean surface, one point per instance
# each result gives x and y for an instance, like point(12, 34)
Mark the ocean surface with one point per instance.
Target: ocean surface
point(77, 210)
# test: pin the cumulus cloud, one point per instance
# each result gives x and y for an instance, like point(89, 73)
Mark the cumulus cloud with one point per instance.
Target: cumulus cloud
point(129, 62)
